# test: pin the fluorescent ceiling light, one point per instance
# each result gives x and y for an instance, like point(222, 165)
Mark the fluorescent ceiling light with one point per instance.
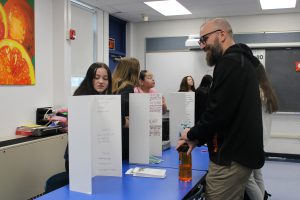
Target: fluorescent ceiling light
point(277, 4)
point(168, 8)
point(84, 5)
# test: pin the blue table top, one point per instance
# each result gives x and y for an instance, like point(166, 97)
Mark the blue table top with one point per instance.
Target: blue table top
point(132, 188)
point(200, 159)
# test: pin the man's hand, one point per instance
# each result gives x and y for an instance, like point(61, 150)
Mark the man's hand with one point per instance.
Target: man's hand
point(179, 143)
point(192, 145)
point(126, 125)
point(183, 139)
point(184, 134)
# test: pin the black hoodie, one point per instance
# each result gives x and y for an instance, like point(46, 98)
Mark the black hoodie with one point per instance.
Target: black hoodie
point(232, 122)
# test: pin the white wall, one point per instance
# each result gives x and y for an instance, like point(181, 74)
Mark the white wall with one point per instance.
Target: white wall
point(82, 48)
point(52, 65)
point(285, 128)
point(102, 51)
point(18, 103)
point(189, 63)
point(61, 52)
point(91, 43)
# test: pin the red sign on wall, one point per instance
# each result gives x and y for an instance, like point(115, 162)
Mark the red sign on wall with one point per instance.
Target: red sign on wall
point(297, 66)
point(111, 43)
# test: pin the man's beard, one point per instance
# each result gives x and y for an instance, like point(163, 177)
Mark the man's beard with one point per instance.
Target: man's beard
point(213, 53)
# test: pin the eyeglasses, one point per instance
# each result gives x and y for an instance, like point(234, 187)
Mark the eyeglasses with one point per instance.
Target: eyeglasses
point(205, 37)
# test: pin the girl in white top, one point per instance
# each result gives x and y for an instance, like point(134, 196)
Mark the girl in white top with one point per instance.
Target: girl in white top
point(255, 187)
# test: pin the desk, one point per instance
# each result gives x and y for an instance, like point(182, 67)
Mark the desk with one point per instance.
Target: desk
point(132, 188)
point(200, 159)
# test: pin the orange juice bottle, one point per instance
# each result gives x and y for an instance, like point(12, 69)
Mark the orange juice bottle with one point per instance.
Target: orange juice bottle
point(185, 163)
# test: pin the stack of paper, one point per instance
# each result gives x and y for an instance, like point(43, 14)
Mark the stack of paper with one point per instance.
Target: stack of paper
point(147, 172)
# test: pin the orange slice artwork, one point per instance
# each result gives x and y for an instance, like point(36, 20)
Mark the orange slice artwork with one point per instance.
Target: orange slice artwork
point(20, 23)
point(16, 67)
point(3, 23)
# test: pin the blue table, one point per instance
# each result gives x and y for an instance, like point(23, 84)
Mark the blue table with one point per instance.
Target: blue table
point(200, 159)
point(132, 188)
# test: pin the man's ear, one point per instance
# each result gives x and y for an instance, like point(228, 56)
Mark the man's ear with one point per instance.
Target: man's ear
point(222, 35)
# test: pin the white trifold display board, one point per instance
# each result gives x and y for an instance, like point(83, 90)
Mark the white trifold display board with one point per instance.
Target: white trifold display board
point(182, 113)
point(95, 144)
point(145, 127)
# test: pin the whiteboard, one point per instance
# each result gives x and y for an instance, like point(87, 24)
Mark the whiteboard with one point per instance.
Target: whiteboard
point(170, 67)
point(281, 68)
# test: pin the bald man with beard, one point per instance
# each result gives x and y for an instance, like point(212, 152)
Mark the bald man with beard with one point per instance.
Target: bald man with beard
point(231, 124)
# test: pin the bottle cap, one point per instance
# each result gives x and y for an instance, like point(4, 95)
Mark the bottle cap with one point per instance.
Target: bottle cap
point(183, 148)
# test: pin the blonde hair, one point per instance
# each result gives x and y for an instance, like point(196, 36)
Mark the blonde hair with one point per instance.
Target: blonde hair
point(125, 73)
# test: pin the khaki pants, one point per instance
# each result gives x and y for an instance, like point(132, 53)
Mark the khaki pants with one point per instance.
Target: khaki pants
point(226, 182)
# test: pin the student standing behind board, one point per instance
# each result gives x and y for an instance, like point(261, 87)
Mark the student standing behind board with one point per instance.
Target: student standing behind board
point(232, 122)
point(187, 84)
point(147, 84)
point(97, 81)
point(201, 95)
point(125, 78)
point(255, 187)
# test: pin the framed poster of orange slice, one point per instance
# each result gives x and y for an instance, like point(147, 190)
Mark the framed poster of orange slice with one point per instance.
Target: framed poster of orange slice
point(17, 51)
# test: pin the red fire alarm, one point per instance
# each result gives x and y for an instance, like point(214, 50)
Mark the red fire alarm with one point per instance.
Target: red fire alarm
point(297, 66)
point(72, 34)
